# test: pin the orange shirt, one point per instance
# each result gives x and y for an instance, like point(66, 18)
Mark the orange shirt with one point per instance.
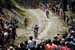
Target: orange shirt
point(50, 47)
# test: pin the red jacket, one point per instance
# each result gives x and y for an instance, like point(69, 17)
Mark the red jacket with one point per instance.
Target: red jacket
point(64, 48)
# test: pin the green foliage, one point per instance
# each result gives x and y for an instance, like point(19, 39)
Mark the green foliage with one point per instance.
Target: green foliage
point(50, 1)
point(5, 2)
point(20, 39)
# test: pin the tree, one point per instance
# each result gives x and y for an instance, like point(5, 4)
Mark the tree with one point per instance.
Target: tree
point(64, 3)
point(73, 5)
point(6, 3)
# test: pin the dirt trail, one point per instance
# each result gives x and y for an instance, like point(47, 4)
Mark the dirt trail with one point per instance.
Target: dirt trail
point(48, 27)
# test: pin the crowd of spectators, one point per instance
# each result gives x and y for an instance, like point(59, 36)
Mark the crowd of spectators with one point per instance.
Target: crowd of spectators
point(60, 42)
point(7, 32)
point(65, 42)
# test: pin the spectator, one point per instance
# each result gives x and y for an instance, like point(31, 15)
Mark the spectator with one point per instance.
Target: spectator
point(55, 41)
point(22, 47)
point(31, 43)
point(50, 45)
point(64, 47)
point(26, 45)
point(69, 42)
point(5, 36)
point(18, 47)
point(1, 37)
point(39, 47)
point(11, 47)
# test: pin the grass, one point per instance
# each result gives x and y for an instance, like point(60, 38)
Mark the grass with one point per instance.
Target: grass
point(25, 14)
point(20, 25)
point(20, 39)
point(70, 14)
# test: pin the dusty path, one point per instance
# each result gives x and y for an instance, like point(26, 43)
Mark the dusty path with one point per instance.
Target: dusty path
point(38, 18)
point(48, 27)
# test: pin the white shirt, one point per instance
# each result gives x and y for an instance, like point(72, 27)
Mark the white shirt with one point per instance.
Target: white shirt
point(6, 34)
point(31, 43)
